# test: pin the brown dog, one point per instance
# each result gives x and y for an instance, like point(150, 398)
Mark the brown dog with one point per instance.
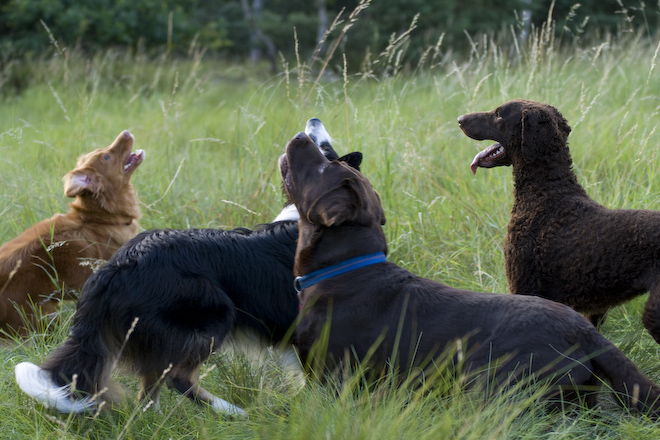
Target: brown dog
point(373, 311)
point(39, 267)
point(561, 244)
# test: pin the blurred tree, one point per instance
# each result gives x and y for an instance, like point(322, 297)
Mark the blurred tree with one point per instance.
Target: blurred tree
point(599, 16)
point(236, 28)
point(252, 15)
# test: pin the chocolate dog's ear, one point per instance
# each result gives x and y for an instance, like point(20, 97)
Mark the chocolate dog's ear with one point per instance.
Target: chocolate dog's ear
point(351, 201)
point(335, 206)
point(354, 159)
point(381, 211)
point(78, 181)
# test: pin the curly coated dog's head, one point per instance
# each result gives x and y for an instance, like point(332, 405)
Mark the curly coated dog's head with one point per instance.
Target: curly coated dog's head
point(524, 131)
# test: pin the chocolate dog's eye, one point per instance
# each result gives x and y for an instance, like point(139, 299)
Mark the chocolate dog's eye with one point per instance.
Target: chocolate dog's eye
point(106, 157)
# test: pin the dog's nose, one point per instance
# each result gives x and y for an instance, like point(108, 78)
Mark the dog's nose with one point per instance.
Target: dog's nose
point(300, 136)
point(461, 118)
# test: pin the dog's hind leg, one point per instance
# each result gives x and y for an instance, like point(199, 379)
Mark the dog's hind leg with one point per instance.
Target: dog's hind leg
point(187, 385)
point(150, 384)
point(651, 316)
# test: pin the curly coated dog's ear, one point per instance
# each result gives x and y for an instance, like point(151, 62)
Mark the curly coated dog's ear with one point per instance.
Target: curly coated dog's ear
point(562, 124)
point(544, 131)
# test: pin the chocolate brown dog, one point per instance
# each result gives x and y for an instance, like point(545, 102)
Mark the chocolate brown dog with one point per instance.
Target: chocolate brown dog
point(560, 243)
point(373, 311)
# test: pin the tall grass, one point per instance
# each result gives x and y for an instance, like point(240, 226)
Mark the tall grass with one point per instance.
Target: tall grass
point(213, 132)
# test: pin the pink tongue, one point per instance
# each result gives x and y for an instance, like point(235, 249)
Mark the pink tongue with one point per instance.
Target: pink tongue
point(477, 159)
point(476, 162)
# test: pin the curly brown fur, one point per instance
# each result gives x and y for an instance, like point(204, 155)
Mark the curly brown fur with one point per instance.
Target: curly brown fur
point(41, 266)
point(561, 244)
point(382, 315)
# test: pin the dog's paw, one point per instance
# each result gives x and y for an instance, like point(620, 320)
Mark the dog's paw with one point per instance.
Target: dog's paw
point(222, 406)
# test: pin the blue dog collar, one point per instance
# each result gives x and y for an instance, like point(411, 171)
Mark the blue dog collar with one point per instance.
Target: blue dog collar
point(303, 282)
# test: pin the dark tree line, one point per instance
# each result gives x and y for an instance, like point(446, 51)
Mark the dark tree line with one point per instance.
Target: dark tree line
point(249, 29)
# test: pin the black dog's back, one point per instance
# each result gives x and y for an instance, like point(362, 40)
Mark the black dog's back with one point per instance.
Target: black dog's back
point(207, 271)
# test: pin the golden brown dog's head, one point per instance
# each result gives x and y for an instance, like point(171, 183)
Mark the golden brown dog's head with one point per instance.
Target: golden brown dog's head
point(327, 193)
point(104, 174)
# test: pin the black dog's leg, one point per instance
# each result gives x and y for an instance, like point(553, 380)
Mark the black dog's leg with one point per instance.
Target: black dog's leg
point(188, 386)
point(150, 386)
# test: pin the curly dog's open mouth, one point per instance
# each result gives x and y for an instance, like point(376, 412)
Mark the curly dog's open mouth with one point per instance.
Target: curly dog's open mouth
point(488, 157)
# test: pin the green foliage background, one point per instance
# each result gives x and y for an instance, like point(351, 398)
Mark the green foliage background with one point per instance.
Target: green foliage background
point(221, 26)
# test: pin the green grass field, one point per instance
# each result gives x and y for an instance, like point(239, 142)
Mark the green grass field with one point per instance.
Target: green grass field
point(213, 132)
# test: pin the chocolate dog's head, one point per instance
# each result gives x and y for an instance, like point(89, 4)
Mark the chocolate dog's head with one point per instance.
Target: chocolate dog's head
point(319, 135)
point(327, 193)
point(522, 129)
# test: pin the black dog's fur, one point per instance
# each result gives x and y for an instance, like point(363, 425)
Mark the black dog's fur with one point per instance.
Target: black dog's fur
point(383, 315)
point(561, 244)
point(166, 300)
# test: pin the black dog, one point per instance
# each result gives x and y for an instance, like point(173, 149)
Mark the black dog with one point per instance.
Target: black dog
point(374, 312)
point(165, 301)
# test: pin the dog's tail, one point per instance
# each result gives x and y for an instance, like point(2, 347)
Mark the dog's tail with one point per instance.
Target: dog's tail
point(633, 389)
point(76, 377)
point(72, 379)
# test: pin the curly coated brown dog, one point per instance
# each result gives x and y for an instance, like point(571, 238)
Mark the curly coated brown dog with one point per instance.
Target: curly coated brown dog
point(561, 244)
point(368, 310)
point(41, 266)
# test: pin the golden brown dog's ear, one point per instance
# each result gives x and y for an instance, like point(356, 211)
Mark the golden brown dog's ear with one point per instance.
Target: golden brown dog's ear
point(76, 182)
